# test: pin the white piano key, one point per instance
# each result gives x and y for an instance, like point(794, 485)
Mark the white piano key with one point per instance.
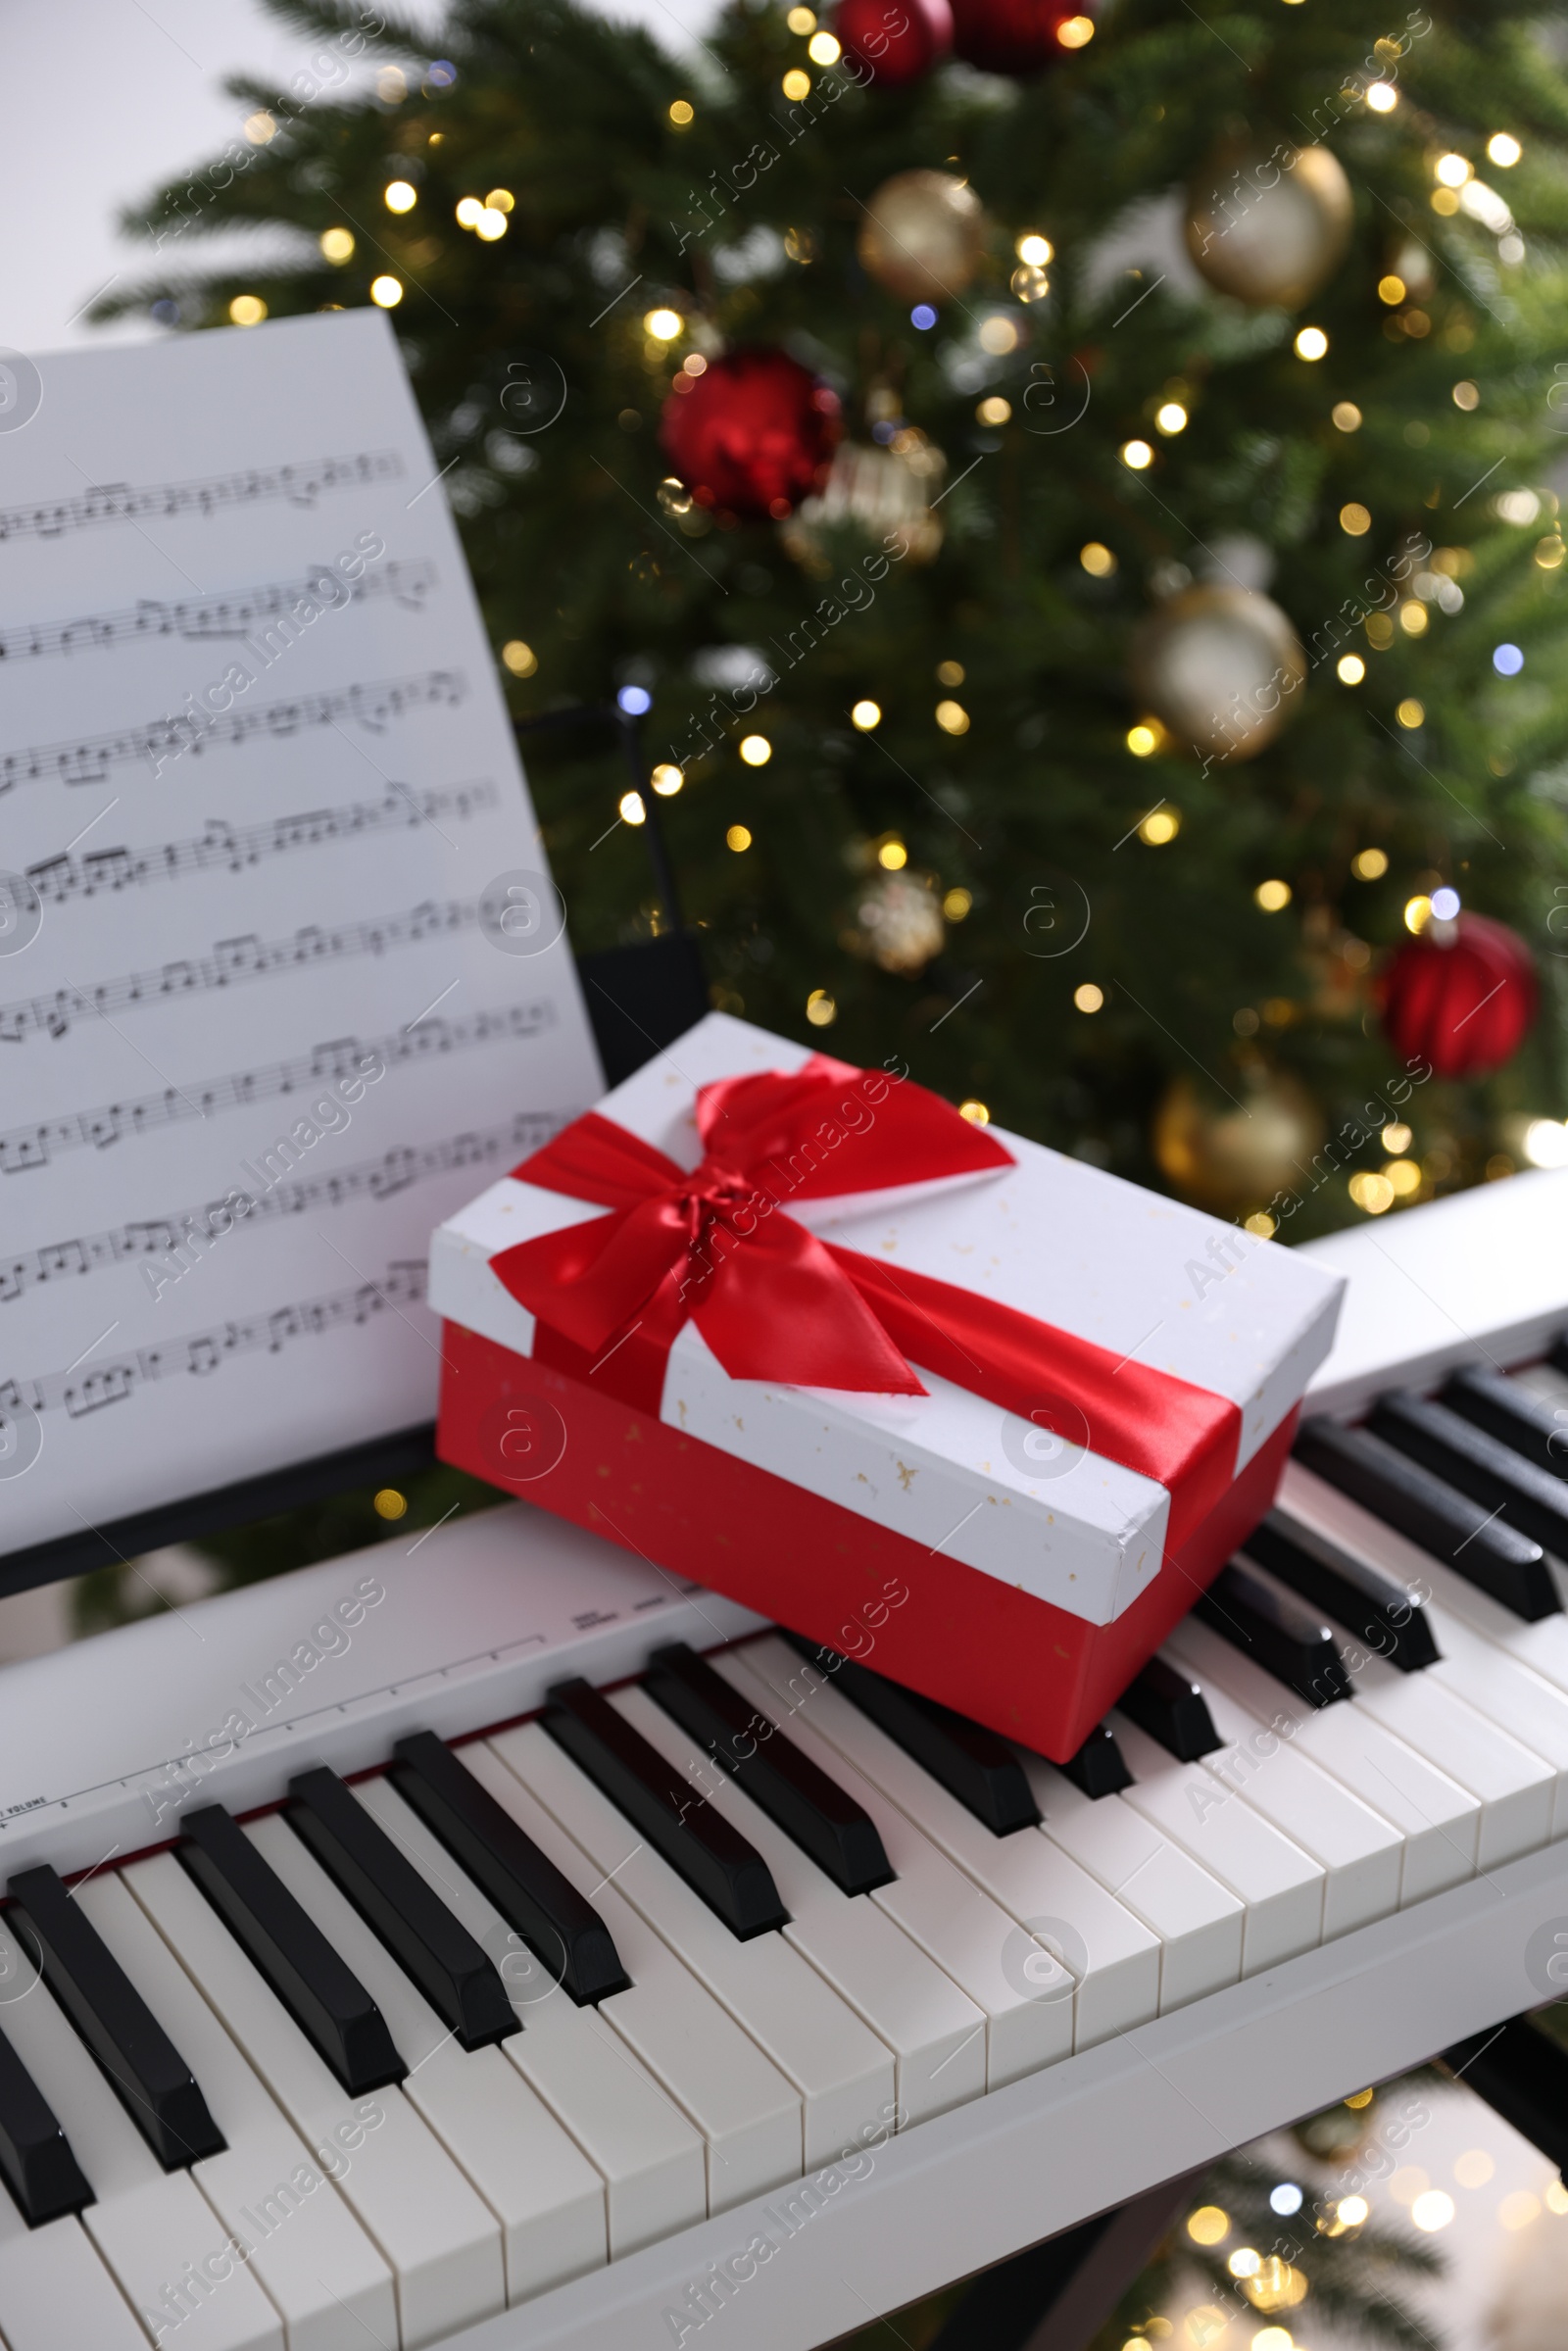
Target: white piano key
point(1437, 1819)
point(442, 2244)
point(1198, 1921)
point(1515, 1787)
point(650, 2157)
point(1025, 1993)
point(1280, 1886)
point(55, 2293)
point(1545, 1381)
point(1361, 1852)
point(1114, 1956)
point(173, 2258)
point(748, 2113)
point(317, 2264)
point(547, 2197)
point(841, 2070)
point(936, 2033)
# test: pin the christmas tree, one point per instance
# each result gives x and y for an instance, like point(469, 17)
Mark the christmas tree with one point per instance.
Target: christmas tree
point(1079, 529)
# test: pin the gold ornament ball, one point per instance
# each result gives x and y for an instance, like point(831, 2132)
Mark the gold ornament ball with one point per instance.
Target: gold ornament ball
point(901, 923)
point(1267, 228)
point(1221, 667)
point(878, 493)
point(922, 236)
point(1231, 1159)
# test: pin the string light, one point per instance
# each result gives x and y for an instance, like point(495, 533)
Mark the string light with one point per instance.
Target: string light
point(520, 659)
point(389, 1504)
point(632, 809)
point(1452, 171)
point(248, 310)
point(681, 112)
point(1035, 250)
point(1137, 454)
point(1373, 1193)
point(951, 673)
point(823, 50)
point(1382, 97)
point(958, 903)
point(738, 838)
point(1159, 826)
point(975, 1112)
point(1354, 519)
point(866, 715)
point(667, 780)
point(1170, 418)
point(386, 292)
point(1097, 561)
point(400, 196)
point(1208, 2224)
point(1312, 343)
point(469, 210)
point(993, 410)
point(501, 200)
point(756, 750)
point(953, 718)
point(1347, 415)
point(1350, 669)
point(1397, 1138)
point(821, 1009)
point(802, 20)
point(1272, 897)
point(1391, 289)
point(796, 85)
point(1410, 713)
point(1141, 740)
point(1505, 150)
point(1088, 997)
point(337, 245)
point(891, 855)
point(1370, 864)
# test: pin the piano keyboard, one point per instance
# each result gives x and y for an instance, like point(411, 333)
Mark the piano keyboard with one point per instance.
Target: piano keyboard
point(555, 2017)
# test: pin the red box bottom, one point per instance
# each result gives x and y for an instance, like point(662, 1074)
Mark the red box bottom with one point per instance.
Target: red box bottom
point(1027, 1668)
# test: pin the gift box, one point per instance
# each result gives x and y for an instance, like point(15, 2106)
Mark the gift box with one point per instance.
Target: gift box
point(975, 1412)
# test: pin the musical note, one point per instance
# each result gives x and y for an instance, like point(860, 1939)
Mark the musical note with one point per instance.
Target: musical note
point(231, 848)
point(203, 1352)
point(25, 1148)
point(210, 619)
point(248, 1207)
point(232, 962)
point(161, 741)
point(298, 484)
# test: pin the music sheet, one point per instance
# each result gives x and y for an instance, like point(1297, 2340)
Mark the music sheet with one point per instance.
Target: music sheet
point(283, 978)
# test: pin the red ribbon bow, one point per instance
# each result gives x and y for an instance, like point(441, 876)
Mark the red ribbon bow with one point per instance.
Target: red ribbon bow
point(714, 1244)
point(715, 1247)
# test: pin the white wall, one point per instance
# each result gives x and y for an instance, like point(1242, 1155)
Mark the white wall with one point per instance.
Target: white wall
point(101, 101)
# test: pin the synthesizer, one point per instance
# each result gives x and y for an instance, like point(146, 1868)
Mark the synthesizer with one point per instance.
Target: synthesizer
point(489, 1939)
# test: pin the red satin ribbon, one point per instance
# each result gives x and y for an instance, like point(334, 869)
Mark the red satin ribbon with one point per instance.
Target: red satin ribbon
point(775, 1304)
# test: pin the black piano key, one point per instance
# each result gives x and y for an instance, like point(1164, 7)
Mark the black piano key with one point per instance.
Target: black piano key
point(152, 2078)
point(970, 1762)
point(562, 1929)
point(1373, 1605)
point(1099, 1768)
point(1526, 1423)
point(451, 1969)
point(1522, 2074)
point(1172, 1708)
point(716, 1860)
point(1474, 1463)
point(1475, 1541)
point(323, 1995)
point(841, 1838)
point(1286, 1640)
point(37, 2162)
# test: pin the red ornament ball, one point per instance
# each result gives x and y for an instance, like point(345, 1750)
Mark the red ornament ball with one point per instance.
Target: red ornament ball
point(752, 434)
point(1020, 37)
point(895, 41)
point(1461, 995)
